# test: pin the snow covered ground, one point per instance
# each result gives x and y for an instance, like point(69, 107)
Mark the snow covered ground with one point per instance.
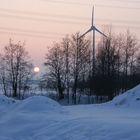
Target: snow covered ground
point(40, 118)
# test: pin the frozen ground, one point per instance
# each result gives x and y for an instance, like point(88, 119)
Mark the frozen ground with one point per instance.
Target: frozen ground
point(40, 118)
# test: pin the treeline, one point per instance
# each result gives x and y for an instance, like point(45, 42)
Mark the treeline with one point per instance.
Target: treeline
point(69, 67)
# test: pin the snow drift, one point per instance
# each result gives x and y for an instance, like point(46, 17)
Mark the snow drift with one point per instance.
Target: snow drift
point(130, 98)
point(6, 103)
point(38, 104)
point(31, 104)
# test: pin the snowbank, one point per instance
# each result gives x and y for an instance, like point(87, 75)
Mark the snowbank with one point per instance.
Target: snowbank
point(31, 104)
point(6, 102)
point(130, 98)
point(38, 104)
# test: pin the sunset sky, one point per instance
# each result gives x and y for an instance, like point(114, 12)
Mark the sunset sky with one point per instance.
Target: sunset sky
point(41, 22)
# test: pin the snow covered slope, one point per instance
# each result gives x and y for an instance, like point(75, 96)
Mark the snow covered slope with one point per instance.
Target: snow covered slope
point(38, 104)
point(130, 98)
point(40, 118)
point(6, 103)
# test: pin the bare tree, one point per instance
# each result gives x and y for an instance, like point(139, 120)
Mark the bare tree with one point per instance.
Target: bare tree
point(129, 49)
point(80, 61)
point(67, 63)
point(16, 68)
point(66, 51)
point(108, 66)
point(55, 68)
point(3, 76)
point(116, 61)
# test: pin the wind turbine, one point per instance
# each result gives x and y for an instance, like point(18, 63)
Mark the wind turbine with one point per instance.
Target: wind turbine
point(93, 29)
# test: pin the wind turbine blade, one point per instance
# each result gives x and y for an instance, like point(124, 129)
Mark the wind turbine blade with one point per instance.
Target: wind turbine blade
point(99, 31)
point(92, 22)
point(86, 32)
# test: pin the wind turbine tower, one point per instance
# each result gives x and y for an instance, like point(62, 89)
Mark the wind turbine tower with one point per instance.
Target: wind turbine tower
point(93, 29)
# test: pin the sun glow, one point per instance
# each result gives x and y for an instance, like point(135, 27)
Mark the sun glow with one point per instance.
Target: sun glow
point(36, 69)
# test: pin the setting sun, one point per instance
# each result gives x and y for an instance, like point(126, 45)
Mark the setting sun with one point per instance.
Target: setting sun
point(36, 69)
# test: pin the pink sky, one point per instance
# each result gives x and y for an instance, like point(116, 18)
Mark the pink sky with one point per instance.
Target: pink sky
point(41, 22)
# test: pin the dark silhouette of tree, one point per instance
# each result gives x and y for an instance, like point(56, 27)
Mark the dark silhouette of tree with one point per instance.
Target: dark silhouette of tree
point(69, 67)
point(79, 62)
point(55, 68)
point(66, 53)
point(16, 68)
